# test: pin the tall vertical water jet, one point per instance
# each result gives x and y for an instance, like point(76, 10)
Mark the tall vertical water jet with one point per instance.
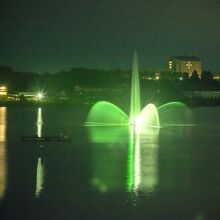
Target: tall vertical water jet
point(142, 168)
point(135, 91)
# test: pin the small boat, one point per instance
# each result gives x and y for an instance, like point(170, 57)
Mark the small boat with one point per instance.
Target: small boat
point(47, 138)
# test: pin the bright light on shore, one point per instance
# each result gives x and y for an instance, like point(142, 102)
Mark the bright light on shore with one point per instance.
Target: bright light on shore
point(3, 90)
point(40, 95)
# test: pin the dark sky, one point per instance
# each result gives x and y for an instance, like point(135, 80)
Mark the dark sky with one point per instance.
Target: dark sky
point(50, 35)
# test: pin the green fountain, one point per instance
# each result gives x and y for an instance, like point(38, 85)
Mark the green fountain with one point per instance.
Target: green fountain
point(108, 124)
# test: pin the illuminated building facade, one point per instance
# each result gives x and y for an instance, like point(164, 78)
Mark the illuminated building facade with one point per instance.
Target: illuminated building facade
point(185, 64)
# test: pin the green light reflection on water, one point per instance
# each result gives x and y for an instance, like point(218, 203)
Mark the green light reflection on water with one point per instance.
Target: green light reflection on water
point(130, 168)
point(116, 129)
point(107, 123)
point(108, 167)
point(142, 168)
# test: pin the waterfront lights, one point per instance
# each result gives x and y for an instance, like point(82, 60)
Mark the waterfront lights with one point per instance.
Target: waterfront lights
point(40, 95)
point(3, 90)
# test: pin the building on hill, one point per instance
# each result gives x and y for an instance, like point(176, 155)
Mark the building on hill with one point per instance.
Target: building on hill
point(185, 64)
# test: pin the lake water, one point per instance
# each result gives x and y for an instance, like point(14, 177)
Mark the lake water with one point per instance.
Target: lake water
point(172, 175)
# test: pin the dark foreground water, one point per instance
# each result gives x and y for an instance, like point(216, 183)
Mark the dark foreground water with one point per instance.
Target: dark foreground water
point(172, 175)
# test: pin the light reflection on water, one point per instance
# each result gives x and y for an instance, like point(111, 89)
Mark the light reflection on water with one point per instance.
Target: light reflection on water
point(149, 164)
point(39, 122)
point(3, 151)
point(145, 161)
point(172, 173)
point(39, 178)
point(199, 216)
point(108, 171)
point(135, 164)
point(40, 166)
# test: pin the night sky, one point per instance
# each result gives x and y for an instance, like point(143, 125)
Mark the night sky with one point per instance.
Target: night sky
point(52, 35)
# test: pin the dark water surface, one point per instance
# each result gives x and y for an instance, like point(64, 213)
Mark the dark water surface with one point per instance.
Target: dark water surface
point(174, 175)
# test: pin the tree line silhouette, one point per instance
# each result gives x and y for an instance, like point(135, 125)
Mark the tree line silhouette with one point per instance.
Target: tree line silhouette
point(96, 78)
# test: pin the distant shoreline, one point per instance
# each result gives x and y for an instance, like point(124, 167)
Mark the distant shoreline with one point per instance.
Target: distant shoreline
point(39, 103)
point(190, 102)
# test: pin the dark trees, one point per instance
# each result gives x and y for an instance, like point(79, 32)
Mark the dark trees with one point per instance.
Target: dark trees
point(206, 75)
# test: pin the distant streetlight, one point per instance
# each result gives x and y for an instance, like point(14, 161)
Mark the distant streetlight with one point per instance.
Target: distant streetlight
point(40, 95)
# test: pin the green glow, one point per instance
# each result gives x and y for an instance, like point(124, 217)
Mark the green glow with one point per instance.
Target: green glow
point(137, 164)
point(142, 165)
point(175, 114)
point(135, 91)
point(130, 168)
point(108, 167)
point(171, 104)
point(149, 163)
point(105, 113)
point(148, 118)
point(107, 123)
point(200, 216)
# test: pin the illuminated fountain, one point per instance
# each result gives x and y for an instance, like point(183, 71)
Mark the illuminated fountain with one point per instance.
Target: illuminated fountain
point(115, 121)
point(108, 124)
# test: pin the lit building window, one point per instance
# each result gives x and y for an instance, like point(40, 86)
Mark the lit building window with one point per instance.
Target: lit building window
point(181, 64)
point(189, 65)
point(170, 64)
